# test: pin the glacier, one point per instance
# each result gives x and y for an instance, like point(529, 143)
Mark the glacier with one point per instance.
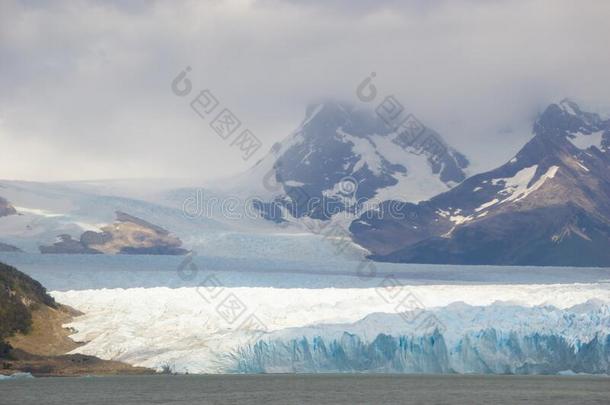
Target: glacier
point(498, 339)
point(479, 328)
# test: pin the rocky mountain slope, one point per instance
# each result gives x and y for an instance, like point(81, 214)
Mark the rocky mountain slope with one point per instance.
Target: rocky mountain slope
point(549, 205)
point(19, 294)
point(127, 235)
point(341, 156)
point(32, 338)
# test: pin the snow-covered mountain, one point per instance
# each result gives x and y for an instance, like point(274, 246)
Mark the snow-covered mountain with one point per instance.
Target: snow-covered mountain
point(341, 157)
point(549, 205)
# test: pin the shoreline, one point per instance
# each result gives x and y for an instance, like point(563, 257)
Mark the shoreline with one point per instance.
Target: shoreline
point(43, 352)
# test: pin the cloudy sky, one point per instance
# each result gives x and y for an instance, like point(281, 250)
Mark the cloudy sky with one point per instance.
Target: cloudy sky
point(85, 86)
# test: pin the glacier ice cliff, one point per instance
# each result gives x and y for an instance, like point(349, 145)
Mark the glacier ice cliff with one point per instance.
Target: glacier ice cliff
point(497, 339)
point(483, 328)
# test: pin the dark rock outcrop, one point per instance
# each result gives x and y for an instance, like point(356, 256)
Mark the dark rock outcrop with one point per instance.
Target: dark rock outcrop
point(127, 235)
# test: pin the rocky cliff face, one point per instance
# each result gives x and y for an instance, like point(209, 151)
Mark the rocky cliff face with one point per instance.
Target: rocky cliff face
point(549, 205)
point(32, 336)
point(127, 235)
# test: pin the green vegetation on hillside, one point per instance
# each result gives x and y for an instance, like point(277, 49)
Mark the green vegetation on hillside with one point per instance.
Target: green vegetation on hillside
point(19, 295)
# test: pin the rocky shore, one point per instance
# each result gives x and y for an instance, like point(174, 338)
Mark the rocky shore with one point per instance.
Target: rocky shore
point(33, 339)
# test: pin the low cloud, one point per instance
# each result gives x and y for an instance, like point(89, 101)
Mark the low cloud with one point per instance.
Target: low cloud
point(86, 85)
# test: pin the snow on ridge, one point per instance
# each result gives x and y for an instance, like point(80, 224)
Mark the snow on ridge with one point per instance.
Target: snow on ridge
point(366, 149)
point(568, 106)
point(585, 141)
point(313, 114)
point(418, 183)
point(516, 187)
point(550, 173)
point(486, 205)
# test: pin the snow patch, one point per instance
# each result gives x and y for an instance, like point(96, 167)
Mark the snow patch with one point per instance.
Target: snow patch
point(366, 150)
point(487, 204)
point(418, 183)
point(582, 166)
point(460, 219)
point(516, 187)
point(585, 141)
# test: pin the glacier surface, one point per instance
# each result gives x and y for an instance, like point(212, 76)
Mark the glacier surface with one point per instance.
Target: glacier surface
point(485, 328)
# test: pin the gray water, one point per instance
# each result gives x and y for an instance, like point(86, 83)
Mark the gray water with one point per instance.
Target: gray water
point(78, 272)
point(304, 389)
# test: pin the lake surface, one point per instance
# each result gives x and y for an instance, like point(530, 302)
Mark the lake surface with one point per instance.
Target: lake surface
point(78, 272)
point(302, 389)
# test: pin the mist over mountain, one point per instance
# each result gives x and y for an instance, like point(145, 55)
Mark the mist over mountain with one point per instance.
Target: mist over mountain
point(341, 157)
point(403, 193)
point(549, 205)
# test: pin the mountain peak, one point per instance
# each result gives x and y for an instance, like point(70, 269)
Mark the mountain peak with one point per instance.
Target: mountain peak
point(570, 107)
point(328, 106)
point(338, 142)
point(566, 118)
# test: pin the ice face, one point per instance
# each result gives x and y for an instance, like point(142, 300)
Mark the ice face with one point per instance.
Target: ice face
point(480, 328)
point(498, 339)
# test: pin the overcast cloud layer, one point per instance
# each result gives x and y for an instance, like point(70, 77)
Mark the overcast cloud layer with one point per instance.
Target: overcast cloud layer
point(85, 86)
